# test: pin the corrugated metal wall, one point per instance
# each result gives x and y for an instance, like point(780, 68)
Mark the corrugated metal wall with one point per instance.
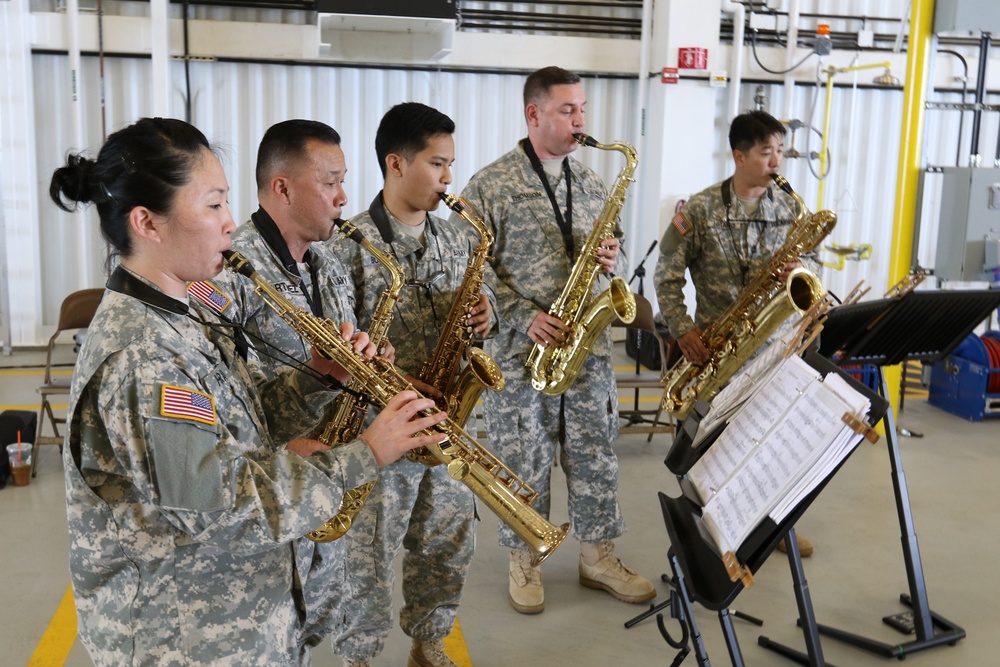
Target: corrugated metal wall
point(234, 103)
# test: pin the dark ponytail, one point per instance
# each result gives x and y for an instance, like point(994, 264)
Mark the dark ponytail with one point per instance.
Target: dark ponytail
point(143, 164)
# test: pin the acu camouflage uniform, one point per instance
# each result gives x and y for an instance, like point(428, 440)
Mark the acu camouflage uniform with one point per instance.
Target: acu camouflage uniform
point(715, 248)
point(525, 426)
point(182, 515)
point(260, 241)
point(419, 507)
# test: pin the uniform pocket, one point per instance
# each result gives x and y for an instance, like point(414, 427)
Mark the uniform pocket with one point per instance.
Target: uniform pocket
point(187, 468)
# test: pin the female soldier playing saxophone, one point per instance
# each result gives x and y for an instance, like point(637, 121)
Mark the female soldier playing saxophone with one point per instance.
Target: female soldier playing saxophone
point(182, 505)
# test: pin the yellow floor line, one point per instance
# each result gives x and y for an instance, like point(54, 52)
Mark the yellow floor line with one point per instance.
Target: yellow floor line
point(454, 646)
point(31, 407)
point(55, 644)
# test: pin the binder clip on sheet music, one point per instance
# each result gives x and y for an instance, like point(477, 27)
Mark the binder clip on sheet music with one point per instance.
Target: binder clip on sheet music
point(787, 427)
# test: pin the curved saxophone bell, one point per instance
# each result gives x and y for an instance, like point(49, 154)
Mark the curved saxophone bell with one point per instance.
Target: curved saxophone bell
point(757, 313)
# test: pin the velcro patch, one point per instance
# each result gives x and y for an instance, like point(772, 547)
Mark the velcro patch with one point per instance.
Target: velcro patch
point(209, 295)
point(681, 223)
point(184, 403)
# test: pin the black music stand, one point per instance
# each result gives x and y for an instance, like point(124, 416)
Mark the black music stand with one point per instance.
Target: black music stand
point(634, 415)
point(920, 326)
point(699, 574)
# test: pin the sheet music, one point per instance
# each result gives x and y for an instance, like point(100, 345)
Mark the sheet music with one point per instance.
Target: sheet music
point(742, 386)
point(749, 424)
point(795, 452)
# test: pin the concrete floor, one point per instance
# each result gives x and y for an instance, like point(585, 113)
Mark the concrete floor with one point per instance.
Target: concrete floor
point(855, 576)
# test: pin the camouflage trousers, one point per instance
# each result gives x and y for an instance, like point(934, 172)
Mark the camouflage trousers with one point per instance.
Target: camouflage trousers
point(318, 565)
point(525, 427)
point(432, 516)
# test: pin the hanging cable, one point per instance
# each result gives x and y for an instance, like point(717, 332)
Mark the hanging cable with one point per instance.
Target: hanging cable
point(187, 67)
point(961, 111)
point(753, 49)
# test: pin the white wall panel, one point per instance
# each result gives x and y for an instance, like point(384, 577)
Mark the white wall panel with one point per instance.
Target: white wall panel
point(234, 103)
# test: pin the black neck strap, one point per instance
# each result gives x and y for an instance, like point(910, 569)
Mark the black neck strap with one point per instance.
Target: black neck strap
point(565, 224)
point(269, 231)
point(125, 282)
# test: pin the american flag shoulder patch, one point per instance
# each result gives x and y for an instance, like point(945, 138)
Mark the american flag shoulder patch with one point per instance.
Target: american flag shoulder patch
point(184, 403)
point(209, 295)
point(681, 223)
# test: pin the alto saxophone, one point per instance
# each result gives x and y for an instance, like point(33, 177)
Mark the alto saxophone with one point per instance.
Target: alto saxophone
point(349, 409)
point(468, 461)
point(555, 367)
point(758, 311)
point(461, 390)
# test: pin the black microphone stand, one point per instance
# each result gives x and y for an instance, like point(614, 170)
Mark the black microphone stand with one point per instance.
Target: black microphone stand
point(640, 273)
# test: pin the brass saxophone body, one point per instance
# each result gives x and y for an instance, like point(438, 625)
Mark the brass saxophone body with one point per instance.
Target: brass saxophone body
point(758, 311)
point(468, 461)
point(461, 389)
point(350, 411)
point(555, 367)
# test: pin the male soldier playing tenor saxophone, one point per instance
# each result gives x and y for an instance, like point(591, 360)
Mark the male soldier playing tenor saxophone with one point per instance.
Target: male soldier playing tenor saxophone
point(725, 235)
point(412, 503)
point(541, 204)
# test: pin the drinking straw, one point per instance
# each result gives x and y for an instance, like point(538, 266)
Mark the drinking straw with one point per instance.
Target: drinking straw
point(18, 448)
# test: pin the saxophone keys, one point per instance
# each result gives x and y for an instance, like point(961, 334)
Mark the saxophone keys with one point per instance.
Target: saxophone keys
point(458, 469)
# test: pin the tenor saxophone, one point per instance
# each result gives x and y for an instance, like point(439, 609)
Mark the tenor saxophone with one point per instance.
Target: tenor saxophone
point(555, 367)
point(461, 390)
point(757, 312)
point(349, 409)
point(468, 461)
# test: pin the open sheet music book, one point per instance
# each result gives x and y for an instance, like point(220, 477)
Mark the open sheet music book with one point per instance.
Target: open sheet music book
point(785, 433)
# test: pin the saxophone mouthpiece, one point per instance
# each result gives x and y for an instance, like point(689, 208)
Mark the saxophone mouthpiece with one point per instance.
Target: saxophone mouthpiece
point(350, 231)
point(237, 263)
point(780, 181)
point(585, 140)
point(457, 204)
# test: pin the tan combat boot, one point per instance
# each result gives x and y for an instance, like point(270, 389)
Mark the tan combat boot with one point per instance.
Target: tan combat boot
point(805, 546)
point(525, 588)
point(429, 653)
point(601, 569)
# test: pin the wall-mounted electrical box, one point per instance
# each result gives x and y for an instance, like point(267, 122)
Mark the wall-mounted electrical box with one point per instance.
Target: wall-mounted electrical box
point(973, 16)
point(970, 212)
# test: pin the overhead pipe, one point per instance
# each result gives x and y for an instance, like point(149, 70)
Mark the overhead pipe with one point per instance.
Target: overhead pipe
point(736, 57)
point(793, 42)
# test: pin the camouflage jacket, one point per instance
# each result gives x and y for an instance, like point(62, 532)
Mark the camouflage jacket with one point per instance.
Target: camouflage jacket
point(332, 282)
point(723, 251)
point(420, 312)
point(181, 503)
point(531, 264)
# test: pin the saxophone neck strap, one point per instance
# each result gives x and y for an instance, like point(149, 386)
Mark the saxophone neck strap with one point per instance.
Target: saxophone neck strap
point(271, 235)
point(125, 282)
point(565, 223)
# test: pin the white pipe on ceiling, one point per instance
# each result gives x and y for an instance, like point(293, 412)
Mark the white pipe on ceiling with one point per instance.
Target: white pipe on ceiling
point(736, 61)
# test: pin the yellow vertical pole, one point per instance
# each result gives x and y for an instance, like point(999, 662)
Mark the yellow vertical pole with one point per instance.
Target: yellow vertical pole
point(918, 56)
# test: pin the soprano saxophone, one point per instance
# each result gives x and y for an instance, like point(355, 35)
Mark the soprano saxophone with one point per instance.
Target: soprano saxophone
point(349, 411)
point(468, 461)
point(555, 367)
point(461, 390)
point(758, 311)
